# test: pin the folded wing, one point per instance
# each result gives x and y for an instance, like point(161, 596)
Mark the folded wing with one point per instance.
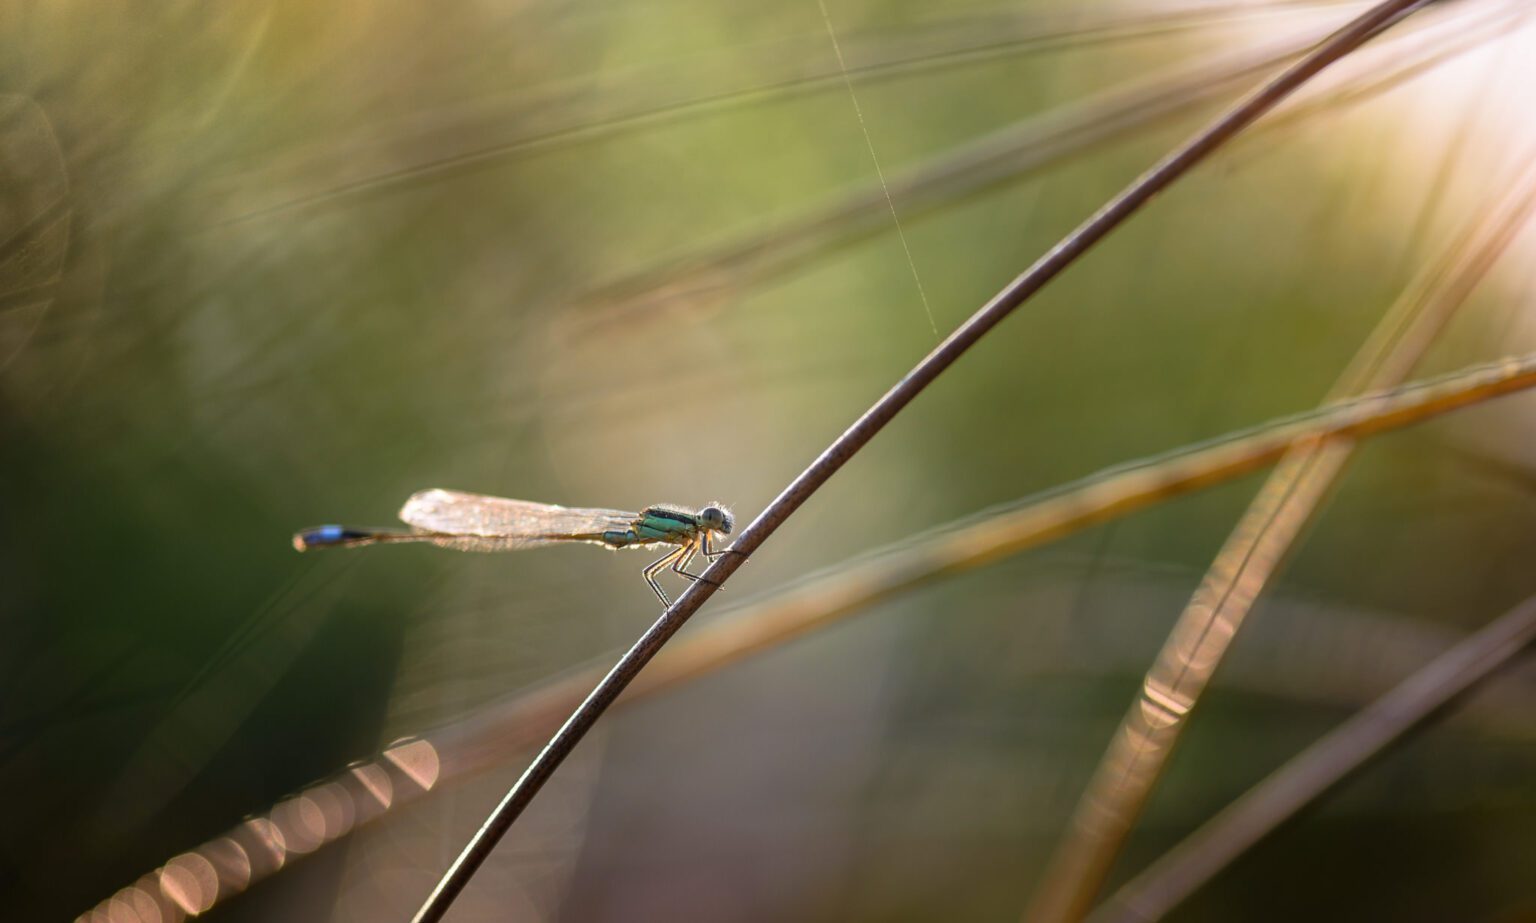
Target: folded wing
point(480, 523)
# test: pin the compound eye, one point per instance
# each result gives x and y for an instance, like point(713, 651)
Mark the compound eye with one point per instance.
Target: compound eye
point(714, 518)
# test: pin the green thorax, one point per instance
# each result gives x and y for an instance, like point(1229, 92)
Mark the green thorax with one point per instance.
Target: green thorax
point(666, 524)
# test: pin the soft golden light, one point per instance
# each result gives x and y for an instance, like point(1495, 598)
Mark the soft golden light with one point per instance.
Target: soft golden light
point(337, 813)
point(301, 823)
point(191, 882)
point(418, 760)
point(375, 780)
point(270, 838)
point(230, 861)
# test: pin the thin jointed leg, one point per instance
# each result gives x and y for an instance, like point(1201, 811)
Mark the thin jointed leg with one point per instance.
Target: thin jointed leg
point(682, 563)
point(711, 553)
point(656, 567)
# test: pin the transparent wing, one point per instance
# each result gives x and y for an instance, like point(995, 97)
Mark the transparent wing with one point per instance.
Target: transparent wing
point(474, 522)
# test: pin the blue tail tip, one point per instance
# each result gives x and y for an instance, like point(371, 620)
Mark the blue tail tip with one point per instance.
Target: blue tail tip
point(320, 536)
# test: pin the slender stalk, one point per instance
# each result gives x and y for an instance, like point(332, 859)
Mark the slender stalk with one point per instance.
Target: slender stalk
point(993, 535)
point(1140, 749)
point(1073, 246)
point(795, 68)
point(1007, 155)
point(1010, 153)
point(1318, 769)
point(413, 767)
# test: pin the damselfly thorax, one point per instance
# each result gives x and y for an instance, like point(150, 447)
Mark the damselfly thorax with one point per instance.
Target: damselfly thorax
point(474, 522)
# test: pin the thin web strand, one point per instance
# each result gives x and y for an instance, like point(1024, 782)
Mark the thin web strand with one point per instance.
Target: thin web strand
point(842, 67)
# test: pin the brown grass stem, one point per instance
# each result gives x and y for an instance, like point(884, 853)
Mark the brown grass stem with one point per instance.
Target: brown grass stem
point(1058, 258)
point(1140, 749)
point(1321, 767)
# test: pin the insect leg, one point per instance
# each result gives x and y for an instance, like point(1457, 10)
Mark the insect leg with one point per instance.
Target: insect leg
point(655, 567)
point(682, 564)
point(711, 553)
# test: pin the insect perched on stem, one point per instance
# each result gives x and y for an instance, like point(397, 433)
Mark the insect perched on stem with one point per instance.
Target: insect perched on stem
point(472, 522)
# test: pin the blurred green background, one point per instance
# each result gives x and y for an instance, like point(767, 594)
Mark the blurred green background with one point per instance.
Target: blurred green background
point(274, 264)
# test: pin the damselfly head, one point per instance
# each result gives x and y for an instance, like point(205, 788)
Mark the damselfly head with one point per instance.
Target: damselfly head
point(717, 518)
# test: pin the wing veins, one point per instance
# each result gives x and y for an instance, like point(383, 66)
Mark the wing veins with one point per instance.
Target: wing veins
point(510, 523)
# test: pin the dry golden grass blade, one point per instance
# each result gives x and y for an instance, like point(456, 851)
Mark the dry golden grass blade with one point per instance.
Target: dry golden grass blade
point(554, 117)
point(1140, 748)
point(410, 768)
point(1011, 153)
point(1317, 770)
point(722, 271)
point(1068, 250)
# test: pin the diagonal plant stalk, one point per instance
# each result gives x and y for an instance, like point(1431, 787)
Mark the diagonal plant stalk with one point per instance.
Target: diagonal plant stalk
point(413, 767)
point(1315, 771)
point(1007, 155)
point(1139, 750)
point(855, 437)
point(886, 55)
point(992, 535)
point(1472, 36)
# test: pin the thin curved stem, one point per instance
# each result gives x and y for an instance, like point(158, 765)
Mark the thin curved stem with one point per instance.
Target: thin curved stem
point(1318, 769)
point(1007, 155)
point(1141, 747)
point(855, 437)
point(410, 768)
point(650, 102)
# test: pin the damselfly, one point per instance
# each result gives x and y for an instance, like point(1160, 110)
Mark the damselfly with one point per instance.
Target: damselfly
point(472, 522)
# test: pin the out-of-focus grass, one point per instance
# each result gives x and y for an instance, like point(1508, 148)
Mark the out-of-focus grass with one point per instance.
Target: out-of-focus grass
point(197, 387)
